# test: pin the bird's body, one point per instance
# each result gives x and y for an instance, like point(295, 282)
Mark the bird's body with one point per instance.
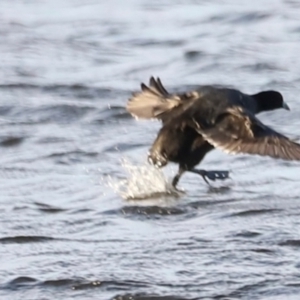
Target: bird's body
point(196, 122)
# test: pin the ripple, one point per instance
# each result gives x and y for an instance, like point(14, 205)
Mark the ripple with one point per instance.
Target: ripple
point(73, 90)
point(148, 297)
point(72, 157)
point(248, 234)
point(245, 289)
point(29, 282)
point(243, 18)
point(122, 147)
point(254, 212)
point(147, 211)
point(292, 243)
point(53, 139)
point(19, 172)
point(61, 282)
point(193, 55)
point(46, 208)
point(11, 141)
point(111, 113)
point(61, 114)
point(263, 66)
point(142, 42)
point(250, 17)
point(80, 91)
point(111, 284)
point(263, 250)
point(25, 239)
point(20, 282)
point(5, 110)
point(204, 203)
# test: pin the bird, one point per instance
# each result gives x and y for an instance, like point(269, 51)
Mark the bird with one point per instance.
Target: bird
point(199, 120)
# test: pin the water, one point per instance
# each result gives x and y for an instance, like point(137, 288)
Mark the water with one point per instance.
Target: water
point(76, 222)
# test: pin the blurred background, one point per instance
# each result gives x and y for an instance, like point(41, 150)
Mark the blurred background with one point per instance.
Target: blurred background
point(71, 156)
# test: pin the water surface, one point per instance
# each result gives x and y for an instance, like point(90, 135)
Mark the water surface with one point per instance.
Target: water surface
point(68, 146)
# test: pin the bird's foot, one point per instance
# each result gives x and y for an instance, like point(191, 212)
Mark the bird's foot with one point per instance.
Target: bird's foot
point(211, 175)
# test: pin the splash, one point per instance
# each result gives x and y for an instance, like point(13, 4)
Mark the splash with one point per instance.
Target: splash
point(142, 182)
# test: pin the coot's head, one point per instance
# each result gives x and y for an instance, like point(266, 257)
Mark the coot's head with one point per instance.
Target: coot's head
point(269, 100)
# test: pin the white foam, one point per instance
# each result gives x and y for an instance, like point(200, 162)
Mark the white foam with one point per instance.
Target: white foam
point(142, 182)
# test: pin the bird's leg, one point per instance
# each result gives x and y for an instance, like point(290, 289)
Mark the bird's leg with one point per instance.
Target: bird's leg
point(177, 176)
point(211, 175)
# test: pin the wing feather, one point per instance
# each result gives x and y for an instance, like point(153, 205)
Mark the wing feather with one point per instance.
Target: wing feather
point(238, 131)
point(154, 101)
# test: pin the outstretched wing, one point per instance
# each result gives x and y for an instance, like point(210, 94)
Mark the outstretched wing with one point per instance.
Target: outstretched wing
point(238, 131)
point(155, 102)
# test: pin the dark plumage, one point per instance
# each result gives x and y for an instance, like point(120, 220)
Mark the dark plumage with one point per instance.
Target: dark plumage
point(197, 121)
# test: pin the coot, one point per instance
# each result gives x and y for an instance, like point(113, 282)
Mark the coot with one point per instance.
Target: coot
point(197, 121)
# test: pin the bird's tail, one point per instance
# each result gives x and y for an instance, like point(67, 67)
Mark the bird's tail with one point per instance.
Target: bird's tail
point(152, 101)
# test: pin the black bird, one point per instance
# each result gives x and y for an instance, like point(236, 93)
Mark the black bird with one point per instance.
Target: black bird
point(209, 117)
